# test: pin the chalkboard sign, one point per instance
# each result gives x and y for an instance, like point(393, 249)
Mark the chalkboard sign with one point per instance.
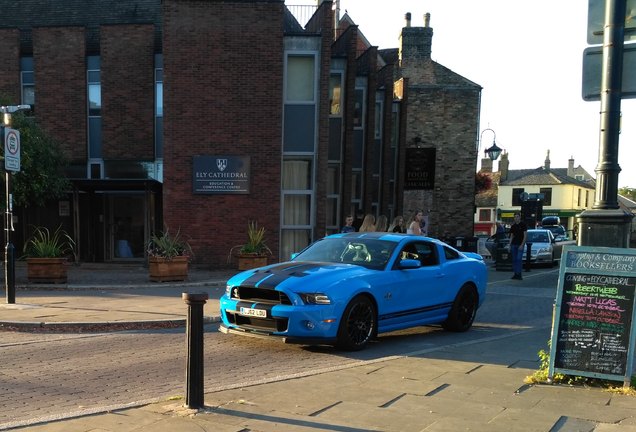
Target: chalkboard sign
point(592, 332)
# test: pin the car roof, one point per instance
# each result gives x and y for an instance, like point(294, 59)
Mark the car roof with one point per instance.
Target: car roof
point(539, 230)
point(387, 236)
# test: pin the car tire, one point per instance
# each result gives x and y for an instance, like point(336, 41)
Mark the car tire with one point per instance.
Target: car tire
point(462, 313)
point(358, 324)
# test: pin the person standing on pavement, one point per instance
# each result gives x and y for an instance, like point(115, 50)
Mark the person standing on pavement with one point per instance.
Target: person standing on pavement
point(348, 226)
point(381, 223)
point(518, 234)
point(368, 224)
point(414, 223)
point(397, 226)
point(357, 222)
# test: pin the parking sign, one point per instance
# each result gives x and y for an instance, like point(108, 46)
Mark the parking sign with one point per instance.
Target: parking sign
point(11, 149)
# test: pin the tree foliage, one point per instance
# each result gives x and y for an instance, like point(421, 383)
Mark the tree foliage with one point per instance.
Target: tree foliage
point(483, 182)
point(628, 192)
point(41, 176)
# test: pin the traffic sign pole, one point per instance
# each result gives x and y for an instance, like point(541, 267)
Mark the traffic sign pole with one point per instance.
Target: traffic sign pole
point(9, 250)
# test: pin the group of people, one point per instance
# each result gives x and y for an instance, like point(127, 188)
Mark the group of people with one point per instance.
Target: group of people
point(414, 225)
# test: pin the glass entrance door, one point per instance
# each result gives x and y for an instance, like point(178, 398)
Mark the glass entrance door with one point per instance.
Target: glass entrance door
point(127, 216)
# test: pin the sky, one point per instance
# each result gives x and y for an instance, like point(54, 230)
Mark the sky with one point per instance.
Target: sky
point(528, 60)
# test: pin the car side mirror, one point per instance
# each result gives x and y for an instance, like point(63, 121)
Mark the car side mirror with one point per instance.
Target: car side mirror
point(406, 264)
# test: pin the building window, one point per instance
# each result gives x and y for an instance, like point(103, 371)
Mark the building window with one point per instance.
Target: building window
point(94, 96)
point(300, 78)
point(358, 109)
point(333, 197)
point(587, 197)
point(378, 119)
point(547, 196)
point(578, 198)
point(297, 195)
point(27, 82)
point(579, 177)
point(484, 215)
point(516, 196)
point(158, 106)
point(335, 95)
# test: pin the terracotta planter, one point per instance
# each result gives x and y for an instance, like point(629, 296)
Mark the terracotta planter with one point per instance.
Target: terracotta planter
point(246, 262)
point(47, 270)
point(166, 270)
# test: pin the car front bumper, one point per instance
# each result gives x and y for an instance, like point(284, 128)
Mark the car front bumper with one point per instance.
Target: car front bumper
point(290, 323)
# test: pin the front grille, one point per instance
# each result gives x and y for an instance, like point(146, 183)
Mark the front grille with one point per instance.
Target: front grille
point(259, 295)
point(267, 324)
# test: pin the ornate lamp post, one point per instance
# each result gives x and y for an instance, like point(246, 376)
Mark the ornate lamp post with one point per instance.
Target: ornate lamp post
point(493, 151)
point(606, 224)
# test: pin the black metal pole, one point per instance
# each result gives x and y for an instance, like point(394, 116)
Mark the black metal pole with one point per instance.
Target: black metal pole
point(611, 85)
point(528, 256)
point(9, 250)
point(194, 337)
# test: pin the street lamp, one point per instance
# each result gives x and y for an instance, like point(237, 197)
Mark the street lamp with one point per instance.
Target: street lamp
point(9, 251)
point(494, 151)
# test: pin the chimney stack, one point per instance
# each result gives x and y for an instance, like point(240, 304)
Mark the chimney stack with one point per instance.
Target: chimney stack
point(415, 42)
point(503, 166)
point(571, 166)
point(486, 165)
point(547, 161)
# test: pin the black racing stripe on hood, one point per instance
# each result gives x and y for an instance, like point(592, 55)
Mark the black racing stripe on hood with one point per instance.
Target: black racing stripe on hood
point(271, 277)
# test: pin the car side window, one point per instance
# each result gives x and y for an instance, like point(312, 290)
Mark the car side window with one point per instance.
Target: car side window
point(427, 253)
point(409, 252)
point(422, 251)
point(450, 254)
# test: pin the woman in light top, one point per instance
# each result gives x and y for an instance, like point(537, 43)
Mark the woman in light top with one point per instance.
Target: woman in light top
point(414, 225)
point(368, 224)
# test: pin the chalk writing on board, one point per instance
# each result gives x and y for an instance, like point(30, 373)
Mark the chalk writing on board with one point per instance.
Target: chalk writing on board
point(595, 318)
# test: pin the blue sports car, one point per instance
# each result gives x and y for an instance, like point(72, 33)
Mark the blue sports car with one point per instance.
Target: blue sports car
point(346, 288)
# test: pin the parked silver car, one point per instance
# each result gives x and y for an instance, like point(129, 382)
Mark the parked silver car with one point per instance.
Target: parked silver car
point(546, 248)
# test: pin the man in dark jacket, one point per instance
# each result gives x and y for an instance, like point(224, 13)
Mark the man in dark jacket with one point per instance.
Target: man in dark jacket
point(518, 234)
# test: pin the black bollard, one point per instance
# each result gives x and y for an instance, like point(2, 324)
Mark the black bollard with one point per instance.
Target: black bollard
point(528, 255)
point(194, 339)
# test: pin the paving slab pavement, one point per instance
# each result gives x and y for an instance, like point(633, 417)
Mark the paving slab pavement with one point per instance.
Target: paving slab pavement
point(451, 388)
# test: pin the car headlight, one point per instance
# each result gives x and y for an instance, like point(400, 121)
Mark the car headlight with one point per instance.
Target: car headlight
point(544, 250)
point(315, 298)
point(228, 290)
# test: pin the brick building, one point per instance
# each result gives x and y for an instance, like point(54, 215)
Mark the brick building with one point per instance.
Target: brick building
point(203, 115)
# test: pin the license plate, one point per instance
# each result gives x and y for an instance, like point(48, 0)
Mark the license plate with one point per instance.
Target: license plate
point(260, 313)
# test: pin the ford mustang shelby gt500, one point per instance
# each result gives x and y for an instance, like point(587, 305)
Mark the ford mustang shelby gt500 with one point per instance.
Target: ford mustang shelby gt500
point(347, 288)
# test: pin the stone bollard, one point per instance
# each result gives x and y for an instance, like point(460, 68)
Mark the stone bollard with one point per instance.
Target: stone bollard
point(194, 339)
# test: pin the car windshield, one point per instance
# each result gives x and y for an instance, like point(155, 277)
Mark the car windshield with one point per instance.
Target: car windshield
point(538, 237)
point(370, 253)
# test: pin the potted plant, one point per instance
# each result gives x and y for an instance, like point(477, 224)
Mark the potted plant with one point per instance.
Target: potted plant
point(255, 252)
point(168, 257)
point(46, 254)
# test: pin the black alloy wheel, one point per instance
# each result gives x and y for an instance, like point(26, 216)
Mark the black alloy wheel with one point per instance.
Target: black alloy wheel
point(358, 324)
point(462, 313)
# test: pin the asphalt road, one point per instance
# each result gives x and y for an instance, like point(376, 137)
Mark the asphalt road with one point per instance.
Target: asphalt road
point(48, 375)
